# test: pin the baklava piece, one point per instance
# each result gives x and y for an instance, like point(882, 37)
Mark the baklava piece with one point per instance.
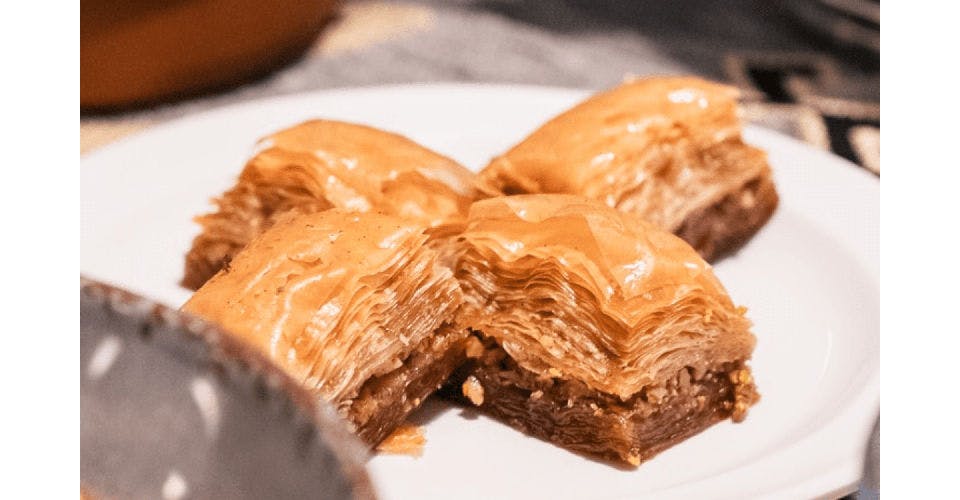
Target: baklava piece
point(352, 305)
point(596, 330)
point(323, 164)
point(668, 149)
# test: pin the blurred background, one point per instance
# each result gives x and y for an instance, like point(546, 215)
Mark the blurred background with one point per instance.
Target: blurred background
point(809, 68)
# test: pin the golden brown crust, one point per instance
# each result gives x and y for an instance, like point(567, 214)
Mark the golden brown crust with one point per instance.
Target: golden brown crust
point(321, 164)
point(347, 304)
point(664, 148)
point(570, 286)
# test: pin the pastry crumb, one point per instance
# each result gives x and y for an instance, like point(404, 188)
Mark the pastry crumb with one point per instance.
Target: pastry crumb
point(473, 390)
point(596, 410)
point(740, 377)
point(633, 459)
point(474, 347)
point(535, 395)
point(747, 199)
point(656, 395)
point(555, 372)
point(405, 440)
point(745, 393)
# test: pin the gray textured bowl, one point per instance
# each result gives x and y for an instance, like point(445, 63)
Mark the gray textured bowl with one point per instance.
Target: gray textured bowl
point(172, 408)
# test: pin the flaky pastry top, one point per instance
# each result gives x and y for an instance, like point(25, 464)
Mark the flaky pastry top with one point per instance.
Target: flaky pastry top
point(570, 286)
point(325, 295)
point(660, 147)
point(364, 169)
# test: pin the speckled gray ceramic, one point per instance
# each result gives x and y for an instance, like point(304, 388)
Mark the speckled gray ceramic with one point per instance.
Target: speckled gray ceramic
point(171, 408)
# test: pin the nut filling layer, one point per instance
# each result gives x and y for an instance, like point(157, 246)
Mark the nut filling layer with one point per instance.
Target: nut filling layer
point(568, 413)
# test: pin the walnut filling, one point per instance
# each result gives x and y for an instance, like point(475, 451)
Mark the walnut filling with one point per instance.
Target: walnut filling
point(568, 413)
point(726, 225)
point(385, 401)
point(473, 390)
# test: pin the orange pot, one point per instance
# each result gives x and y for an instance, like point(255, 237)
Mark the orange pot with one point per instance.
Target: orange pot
point(142, 52)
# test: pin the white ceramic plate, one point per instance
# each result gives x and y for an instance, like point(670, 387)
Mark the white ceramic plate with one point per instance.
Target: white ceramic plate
point(809, 279)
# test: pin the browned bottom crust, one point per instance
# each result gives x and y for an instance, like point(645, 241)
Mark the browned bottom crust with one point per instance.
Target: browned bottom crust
point(726, 225)
point(385, 401)
point(569, 414)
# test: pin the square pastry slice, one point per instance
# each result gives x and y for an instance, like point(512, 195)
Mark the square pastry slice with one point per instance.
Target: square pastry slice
point(668, 149)
point(322, 164)
point(597, 331)
point(352, 305)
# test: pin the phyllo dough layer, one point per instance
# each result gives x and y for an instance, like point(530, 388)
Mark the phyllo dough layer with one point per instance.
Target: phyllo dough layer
point(668, 149)
point(353, 305)
point(600, 332)
point(322, 164)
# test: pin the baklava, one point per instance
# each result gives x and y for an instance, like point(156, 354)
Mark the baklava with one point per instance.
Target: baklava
point(668, 149)
point(322, 164)
point(354, 306)
point(596, 330)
